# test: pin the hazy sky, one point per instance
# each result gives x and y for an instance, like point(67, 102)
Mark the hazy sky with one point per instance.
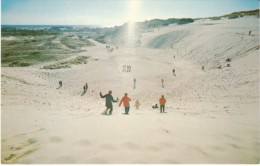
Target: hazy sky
point(114, 12)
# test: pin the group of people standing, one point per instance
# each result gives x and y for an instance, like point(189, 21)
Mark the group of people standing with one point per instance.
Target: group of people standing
point(126, 102)
point(127, 68)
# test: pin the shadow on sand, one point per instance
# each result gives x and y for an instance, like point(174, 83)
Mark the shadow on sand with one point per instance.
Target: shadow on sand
point(83, 93)
point(59, 87)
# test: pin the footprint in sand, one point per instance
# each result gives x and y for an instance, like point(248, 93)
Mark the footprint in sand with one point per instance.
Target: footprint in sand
point(198, 149)
point(97, 160)
point(106, 146)
point(169, 161)
point(19, 151)
point(154, 148)
point(166, 131)
point(139, 161)
point(55, 139)
point(234, 146)
point(83, 142)
point(131, 145)
point(63, 160)
point(166, 145)
point(217, 148)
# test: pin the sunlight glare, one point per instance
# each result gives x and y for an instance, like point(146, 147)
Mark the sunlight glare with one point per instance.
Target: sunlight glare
point(133, 12)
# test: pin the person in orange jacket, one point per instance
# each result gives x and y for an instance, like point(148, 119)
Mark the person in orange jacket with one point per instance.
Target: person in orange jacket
point(162, 102)
point(126, 101)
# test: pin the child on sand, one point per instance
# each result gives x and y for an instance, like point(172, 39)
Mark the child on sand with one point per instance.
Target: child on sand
point(162, 102)
point(137, 104)
point(126, 101)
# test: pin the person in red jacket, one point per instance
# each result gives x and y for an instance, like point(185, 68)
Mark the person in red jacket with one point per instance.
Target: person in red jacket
point(162, 102)
point(126, 101)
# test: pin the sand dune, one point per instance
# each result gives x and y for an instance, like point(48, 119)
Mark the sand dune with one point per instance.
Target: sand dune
point(212, 115)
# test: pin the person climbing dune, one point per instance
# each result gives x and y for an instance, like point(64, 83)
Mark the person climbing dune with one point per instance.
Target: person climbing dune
point(60, 85)
point(126, 101)
point(109, 100)
point(162, 102)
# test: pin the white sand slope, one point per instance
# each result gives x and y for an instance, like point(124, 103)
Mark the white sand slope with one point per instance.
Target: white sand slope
point(212, 115)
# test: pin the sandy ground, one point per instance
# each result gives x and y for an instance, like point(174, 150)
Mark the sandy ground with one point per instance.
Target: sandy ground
point(212, 115)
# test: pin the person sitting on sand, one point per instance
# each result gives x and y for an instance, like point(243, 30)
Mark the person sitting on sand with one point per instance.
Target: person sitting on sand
point(126, 101)
point(155, 106)
point(109, 100)
point(162, 102)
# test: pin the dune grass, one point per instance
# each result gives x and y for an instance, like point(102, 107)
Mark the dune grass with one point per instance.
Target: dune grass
point(67, 63)
point(29, 47)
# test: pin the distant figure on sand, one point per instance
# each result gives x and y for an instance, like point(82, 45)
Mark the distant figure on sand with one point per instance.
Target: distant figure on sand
point(162, 102)
point(126, 101)
point(60, 85)
point(173, 71)
point(137, 104)
point(85, 88)
point(162, 83)
point(155, 106)
point(109, 100)
point(202, 68)
point(249, 33)
point(134, 83)
point(228, 60)
point(128, 68)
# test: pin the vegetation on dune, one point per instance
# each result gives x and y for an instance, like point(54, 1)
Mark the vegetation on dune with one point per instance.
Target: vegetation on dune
point(215, 18)
point(29, 47)
point(24, 32)
point(24, 47)
point(74, 43)
point(157, 23)
point(67, 63)
point(242, 14)
point(101, 39)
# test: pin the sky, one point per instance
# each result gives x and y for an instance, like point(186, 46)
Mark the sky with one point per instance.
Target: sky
point(113, 12)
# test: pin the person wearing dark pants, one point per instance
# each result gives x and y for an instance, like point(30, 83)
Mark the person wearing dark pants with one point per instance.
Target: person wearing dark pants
point(109, 100)
point(162, 108)
point(127, 109)
point(162, 102)
point(126, 101)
